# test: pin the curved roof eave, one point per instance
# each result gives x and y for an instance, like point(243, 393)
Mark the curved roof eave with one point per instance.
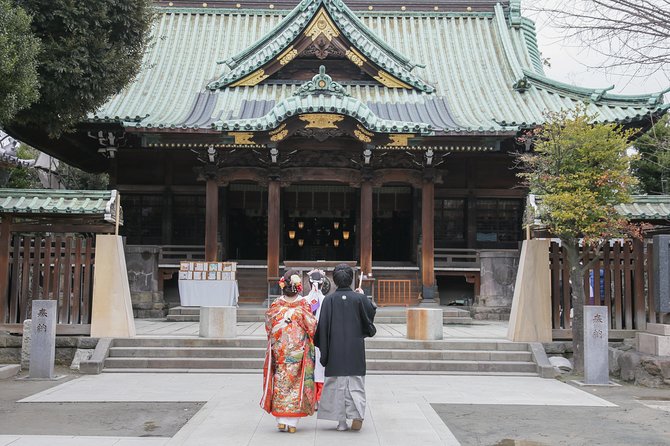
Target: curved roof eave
point(279, 39)
point(322, 103)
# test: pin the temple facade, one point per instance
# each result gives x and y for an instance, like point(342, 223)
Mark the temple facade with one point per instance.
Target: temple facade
point(369, 131)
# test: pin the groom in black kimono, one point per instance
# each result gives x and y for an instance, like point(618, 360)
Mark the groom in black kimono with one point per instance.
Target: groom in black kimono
point(346, 320)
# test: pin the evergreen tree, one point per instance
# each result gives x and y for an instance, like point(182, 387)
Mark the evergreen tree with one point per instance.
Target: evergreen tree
point(90, 50)
point(653, 166)
point(18, 62)
point(581, 171)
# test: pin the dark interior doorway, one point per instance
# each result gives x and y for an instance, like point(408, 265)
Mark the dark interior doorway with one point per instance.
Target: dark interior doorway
point(392, 224)
point(319, 222)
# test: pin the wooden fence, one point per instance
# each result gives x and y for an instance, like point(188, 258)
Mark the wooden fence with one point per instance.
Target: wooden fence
point(621, 280)
point(51, 268)
point(394, 292)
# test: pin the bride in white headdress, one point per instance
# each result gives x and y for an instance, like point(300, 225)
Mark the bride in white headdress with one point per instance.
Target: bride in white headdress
point(319, 286)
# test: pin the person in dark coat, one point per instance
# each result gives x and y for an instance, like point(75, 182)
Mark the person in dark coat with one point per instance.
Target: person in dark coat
point(346, 320)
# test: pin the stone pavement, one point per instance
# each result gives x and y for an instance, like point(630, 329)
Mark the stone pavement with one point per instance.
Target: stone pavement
point(399, 408)
point(481, 330)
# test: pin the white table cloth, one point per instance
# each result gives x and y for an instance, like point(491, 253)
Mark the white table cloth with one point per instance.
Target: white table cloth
point(208, 293)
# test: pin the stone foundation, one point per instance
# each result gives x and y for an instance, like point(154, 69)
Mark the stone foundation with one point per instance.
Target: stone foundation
point(66, 346)
point(142, 264)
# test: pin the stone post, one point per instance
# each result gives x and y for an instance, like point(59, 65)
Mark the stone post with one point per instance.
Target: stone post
point(596, 334)
point(661, 265)
point(43, 339)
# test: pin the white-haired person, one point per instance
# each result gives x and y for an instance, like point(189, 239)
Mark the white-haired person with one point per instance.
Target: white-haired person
point(288, 373)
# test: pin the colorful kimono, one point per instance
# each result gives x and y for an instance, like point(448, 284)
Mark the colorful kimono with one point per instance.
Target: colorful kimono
point(288, 373)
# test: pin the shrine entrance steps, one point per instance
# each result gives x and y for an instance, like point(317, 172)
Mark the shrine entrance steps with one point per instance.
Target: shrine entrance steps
point(384, 356)
point(256, 313)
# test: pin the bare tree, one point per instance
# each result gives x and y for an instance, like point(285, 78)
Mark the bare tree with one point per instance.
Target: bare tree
point(633, 35)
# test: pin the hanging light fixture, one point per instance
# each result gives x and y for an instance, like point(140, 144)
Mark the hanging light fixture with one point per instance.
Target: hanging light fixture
point(301, 242)
point(336, 225)
point(345, 235)
point(301, 224)
point(291, 234)
point(336, 243)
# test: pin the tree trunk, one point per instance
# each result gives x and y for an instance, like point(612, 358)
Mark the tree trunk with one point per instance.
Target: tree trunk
point(578, 299)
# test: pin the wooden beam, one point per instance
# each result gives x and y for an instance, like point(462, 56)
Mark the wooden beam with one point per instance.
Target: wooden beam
point(274, 207)
point(428, 240)
point(366, 227)
point(61, 329)
point(5, 245)
point(211, 219)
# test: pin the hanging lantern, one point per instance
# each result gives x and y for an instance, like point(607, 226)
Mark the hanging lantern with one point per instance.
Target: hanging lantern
point(301, 242)
point(336, 243)
point(336, 225)
point(345, 235)
point(301, 224)
point(291, 234)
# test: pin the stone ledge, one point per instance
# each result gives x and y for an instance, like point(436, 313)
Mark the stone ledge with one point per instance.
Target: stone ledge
point(659, 329)
point(95, 365)
point(9, 371)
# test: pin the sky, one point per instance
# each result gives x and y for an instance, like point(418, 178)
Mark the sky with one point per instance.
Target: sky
point(574, 65)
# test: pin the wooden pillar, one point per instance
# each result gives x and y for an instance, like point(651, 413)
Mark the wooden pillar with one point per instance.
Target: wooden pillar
point(428, 241)
point(366, 227)
point(5, 240)
point(211, 219)
point(274, 206)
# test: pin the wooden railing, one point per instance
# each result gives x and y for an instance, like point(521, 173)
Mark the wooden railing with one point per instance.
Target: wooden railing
point(457, 258)
point(169, 256)
point(621, 280)
point(393, 293)
point(50, 268)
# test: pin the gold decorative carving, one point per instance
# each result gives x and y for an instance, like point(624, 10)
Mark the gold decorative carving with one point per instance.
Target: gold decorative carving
point(363, 130)
point(321, 120)
point(278, 129)
point(322, 25)
point(356, 57)
point(361, 136)
point(390, 81)
point(243, 138)
point(253, 79)
point(279, 136)
point(287, 55)
point(400, 139)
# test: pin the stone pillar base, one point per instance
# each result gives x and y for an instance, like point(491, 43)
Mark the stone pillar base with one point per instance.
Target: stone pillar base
point(429, 297)
point(484, 313)
point(218, 322)
point(424, 324)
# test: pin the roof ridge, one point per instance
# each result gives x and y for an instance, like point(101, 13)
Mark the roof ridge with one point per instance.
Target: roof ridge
point(312, 19)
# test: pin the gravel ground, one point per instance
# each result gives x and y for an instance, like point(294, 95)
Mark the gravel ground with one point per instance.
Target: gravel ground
point(642, 418)
point(96, 419)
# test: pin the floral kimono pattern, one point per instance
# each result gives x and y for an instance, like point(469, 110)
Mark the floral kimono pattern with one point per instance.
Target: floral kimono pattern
point(288, 373)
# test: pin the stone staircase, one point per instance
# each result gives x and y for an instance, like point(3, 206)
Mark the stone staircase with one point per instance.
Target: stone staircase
point(384, 356)
point(255, 313)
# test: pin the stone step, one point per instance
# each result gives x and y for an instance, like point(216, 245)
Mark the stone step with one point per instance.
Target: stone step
point(385, 365)
point(374, 343)
point(258, 371)
point(185, 363)
point(451, 366)
point(255, 353)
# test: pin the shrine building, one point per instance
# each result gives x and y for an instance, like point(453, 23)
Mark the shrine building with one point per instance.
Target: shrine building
point(379, 132)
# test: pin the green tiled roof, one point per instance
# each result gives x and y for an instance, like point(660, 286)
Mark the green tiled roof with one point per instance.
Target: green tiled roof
point(59, 202)
point(279, 38)
point(484, 66)
point(330, 98)
point(646, 207)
